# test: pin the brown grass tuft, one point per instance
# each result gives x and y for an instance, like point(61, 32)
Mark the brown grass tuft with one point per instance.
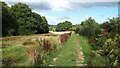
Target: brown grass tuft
point(28, 42)
point(46, 44)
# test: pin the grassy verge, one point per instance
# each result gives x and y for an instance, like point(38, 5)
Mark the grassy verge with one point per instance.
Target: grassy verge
point(86, 48)
point(14, 55)
point(91, 58)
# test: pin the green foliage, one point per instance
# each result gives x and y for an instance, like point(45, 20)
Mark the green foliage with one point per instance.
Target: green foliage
point(64, 26)
point(41, 25)
point(23, 15)
point(88, 28)
point(112, 27)
point(78, 28)
point(45, 25)
point(104, 39)
point(20, 20)
point(110, 42)
point(9, 26)
point(52, 27)
point(86, 48)
point(112, 50)
point(12, 55)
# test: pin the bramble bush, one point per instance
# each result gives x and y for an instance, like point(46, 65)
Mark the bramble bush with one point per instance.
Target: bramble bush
point(104, 39)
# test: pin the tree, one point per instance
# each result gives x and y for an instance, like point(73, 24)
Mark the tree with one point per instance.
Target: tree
point(64, 26)
point(111, 27)
point(90, 28)
point(23, 15)
point(41, 24)
point(45, 25)
point(9, 25)
point(20, 20)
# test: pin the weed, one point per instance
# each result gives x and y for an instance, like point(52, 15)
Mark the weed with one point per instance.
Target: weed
point(46, 45)
point(64, 37)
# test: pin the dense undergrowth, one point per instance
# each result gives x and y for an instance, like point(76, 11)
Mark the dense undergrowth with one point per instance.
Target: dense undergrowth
point(104, 40)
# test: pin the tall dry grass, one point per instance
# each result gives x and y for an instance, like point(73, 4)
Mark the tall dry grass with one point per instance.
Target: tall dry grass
point(35, 47)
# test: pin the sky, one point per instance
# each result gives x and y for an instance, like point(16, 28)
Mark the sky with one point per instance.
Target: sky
point(76, 11)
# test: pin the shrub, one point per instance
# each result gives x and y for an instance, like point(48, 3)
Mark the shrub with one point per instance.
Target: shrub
point(64, 26)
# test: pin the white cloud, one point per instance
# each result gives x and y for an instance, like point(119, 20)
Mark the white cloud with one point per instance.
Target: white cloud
point(27, 0)
point(55, 20)
point(52, 20)
point(59, 5)
point(39, 12)
point(66, 0)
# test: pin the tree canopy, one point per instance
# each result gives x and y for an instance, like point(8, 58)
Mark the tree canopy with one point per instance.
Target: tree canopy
point(88, 28)
point(64, 26)
point(9, 26)
point(20, 20)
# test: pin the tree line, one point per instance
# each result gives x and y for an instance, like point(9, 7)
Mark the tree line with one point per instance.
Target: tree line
point(20, 20)
point(64, 26)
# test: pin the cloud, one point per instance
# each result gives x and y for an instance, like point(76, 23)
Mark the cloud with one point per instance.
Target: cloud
point(52, 20)
point(7, 0)
point(40, 5)
point(44, 7)
point(93, 4)
point(68, 0)
point(55, 20)
point(42, 13)
point(35, 5)
point(64, 18)
point(28, 0)
point(61, 5)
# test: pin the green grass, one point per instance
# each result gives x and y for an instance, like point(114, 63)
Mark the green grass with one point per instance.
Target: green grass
point(66, 55)
point(86, 48)
point(91, 59)
point(13, 55)
point(18, 56)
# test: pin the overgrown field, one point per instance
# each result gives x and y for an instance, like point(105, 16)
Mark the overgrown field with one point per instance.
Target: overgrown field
point(31, 50)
